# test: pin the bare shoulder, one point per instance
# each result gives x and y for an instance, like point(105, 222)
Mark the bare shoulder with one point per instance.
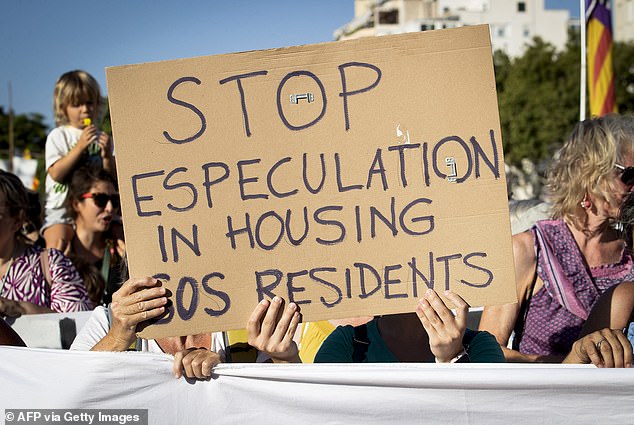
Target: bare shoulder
point(524, 244)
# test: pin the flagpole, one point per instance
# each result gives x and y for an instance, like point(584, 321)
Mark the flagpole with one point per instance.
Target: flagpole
point(583, 84)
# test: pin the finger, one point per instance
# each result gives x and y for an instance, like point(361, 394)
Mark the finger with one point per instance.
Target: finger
point(134, 284)
point(190, 354)
point(145, 315)
point(255, 320)
point(627, 349)
point(282, 327)
point(197, 357)
point(590, 348)
point(144, 306)
point(142, 296)
point(462, 308)
point(431, 314)
point(292, 328)
point(611, 349)
point(210, 361)
point(444, 314)
point(422, 316)
point(270, 318)
point(121, 247)
point(178, 364)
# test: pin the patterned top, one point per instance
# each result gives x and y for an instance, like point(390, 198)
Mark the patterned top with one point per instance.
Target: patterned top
point(25, 281)
point(559, 309)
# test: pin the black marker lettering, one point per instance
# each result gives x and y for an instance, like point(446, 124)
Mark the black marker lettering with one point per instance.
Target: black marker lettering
point(243, 102)
point(267, 289)
point(214, 292)
point(344, 86)
point(313, 275)
point(280, 110)
point(190, 186)
point(172, 99)
point(208, 183)
point(138, 199)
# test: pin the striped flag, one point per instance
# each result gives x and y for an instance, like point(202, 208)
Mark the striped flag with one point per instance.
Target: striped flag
point(600, 73)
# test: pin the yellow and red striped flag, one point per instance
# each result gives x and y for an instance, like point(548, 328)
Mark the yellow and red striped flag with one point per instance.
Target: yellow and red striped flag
point(600, 72)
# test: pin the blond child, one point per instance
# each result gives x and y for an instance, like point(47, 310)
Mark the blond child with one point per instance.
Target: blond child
point(75, 141)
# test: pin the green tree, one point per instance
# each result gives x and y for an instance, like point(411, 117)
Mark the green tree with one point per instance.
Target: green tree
point(623, 57)
point(538, 100)
point(29, 132)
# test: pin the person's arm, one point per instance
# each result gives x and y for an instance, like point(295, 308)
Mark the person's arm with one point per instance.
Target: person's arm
point(274, 336)
point(604, 348)
point(8, 336)
point(105, 145)
point(339, 346)
point(500, 320)
point(138, 300)
point(12, 308)
point(614, 310)
point(62, 168)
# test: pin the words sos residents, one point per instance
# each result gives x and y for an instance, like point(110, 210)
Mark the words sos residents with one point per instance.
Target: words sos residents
point(346, 177)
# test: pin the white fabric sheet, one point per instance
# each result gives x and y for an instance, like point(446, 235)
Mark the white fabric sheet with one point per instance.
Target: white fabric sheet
point(317, 394)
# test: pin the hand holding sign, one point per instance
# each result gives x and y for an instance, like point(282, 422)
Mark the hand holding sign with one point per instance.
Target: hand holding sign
point(444, 329)
point(138, 300)
point(271, 330)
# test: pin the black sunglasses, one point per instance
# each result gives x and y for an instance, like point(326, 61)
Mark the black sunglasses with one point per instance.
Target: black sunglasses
point(627, 174)
point(101, 199)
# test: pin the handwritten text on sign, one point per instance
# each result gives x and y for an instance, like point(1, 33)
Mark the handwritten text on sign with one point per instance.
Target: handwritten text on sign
point(313, 183)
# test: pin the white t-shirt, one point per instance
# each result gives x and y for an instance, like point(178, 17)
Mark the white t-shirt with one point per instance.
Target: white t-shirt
point(98, 326)
point(58, 143)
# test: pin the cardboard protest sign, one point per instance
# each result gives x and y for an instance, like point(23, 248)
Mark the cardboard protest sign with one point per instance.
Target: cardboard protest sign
point(346, 177)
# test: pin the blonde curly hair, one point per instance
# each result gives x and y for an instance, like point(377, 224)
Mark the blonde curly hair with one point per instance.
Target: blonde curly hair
point(586, 164)
point(74, 88)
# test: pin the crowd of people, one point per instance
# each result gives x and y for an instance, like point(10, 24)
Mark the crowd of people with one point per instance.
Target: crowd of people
point(574, 270)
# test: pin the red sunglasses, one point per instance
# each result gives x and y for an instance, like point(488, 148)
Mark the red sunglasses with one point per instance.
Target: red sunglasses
point(101, 199)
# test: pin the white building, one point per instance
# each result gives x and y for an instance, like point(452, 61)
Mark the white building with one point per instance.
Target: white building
point(623, 20)
point(513, 23)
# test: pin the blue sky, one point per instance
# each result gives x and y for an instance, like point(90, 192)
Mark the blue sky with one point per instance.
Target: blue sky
point(40, 40)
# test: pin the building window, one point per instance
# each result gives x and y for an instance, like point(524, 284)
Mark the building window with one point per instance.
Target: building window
point(521, 6)
point(526, 31)
point(388, 16)
point(426, 27)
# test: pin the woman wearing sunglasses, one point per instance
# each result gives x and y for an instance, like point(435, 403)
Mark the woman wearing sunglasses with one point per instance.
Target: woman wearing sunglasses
point(93, 204)
point(563, 265)
point(32, 280)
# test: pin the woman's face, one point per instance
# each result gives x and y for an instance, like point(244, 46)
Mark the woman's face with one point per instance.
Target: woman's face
point(619, 189)
point(94, 212)
point(9, 225)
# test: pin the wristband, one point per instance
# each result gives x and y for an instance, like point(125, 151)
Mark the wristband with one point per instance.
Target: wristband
point(461, 357)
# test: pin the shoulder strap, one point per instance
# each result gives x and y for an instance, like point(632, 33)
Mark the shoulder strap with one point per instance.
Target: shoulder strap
point(360, 343)
point(45, 267)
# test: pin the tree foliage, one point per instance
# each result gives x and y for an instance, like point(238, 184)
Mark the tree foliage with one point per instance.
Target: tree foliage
point(29, 132)
point(623, 57)
point(538, 95)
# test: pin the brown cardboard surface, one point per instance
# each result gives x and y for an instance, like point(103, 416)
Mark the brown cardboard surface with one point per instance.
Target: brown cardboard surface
point(206, 144)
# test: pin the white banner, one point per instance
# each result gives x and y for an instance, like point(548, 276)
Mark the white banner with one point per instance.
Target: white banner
point(311, 394)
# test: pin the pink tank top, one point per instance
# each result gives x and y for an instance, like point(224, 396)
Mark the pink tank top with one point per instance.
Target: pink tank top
point(559, 309)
